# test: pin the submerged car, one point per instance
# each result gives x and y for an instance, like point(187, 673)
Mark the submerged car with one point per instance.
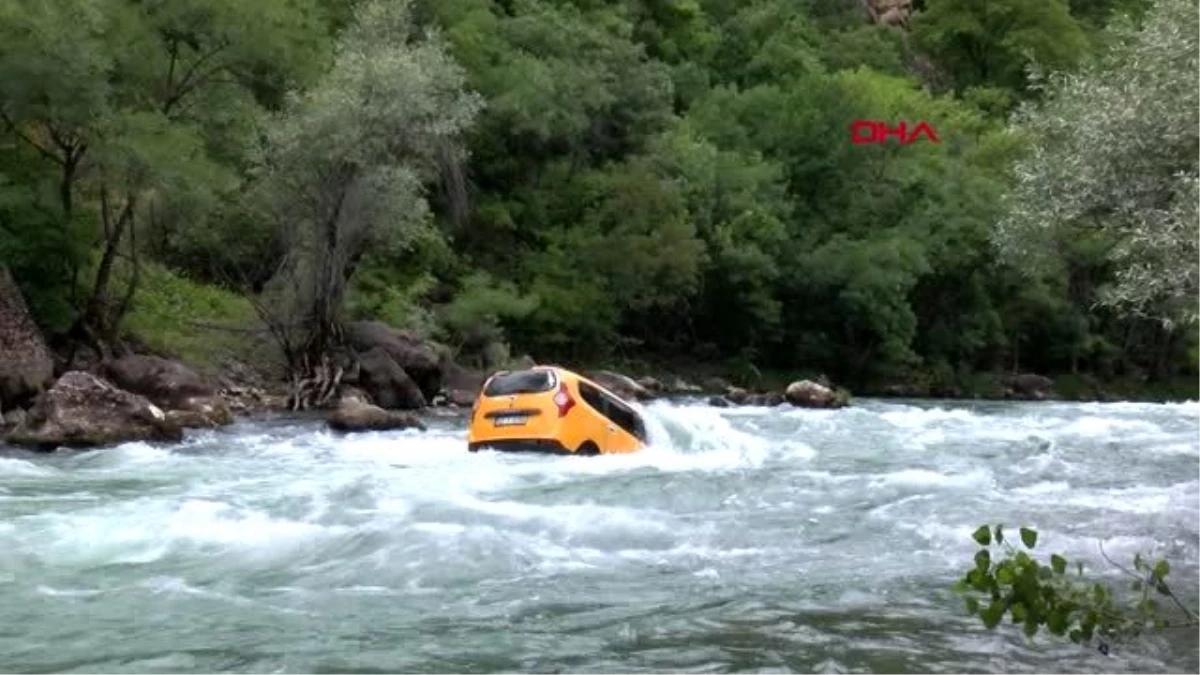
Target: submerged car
point(552, 410)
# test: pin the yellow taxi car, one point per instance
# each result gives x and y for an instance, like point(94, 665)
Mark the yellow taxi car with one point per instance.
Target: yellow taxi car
point(552, 410)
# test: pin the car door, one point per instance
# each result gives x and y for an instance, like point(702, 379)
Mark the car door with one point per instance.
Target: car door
point(619, 423)
point(600, 427)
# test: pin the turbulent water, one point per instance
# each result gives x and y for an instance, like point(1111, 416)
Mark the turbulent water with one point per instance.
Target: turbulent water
point(764, 540)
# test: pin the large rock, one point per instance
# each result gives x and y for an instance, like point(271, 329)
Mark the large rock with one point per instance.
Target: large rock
point(621, 385)
point(422, 360)
point(809, 394)
point(719, 402)
point(462, 385)
point(650, 384)
point(678, 385)
point(1030, 385)
point(81, 410)
point(893, 13)
point(388, 385)
point(189, 398)
point(26, 366)
point(737, 395)
point(13, 418)
point(167, 383)
point(523, 362)
point(355, 414)
point(769, 399)
point(202, 411)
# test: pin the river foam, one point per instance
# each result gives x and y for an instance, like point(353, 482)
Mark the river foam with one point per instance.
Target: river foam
point(741, 539)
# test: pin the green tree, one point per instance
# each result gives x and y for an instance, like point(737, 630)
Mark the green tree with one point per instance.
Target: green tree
point(991, 43)
point(1113, 156)
point(347, 164)
point(139, 109)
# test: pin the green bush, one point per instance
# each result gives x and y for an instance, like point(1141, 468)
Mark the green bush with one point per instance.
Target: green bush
point(195, 322)
point(473, 321)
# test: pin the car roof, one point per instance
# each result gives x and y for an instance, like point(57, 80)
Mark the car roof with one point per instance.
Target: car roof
point(561, 371)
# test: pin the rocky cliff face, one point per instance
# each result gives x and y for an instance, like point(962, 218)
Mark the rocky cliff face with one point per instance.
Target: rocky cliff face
point(893, 13)
point(26, 367)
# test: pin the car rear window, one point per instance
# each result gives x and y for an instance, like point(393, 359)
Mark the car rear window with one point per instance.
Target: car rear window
point(521, 382)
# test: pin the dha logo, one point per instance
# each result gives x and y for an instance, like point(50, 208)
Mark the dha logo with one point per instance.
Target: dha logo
point(864, 132)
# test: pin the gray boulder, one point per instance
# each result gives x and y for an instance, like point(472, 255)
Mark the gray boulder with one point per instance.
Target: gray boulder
point(355, 414)
point(189, 398)
point(621, 385)
point(423, 360)
point(26, 366)
point(388, 384)
point(809, 394)
point(167, 383)
point(461, 385)
point(1030, 385)
point(81, 411)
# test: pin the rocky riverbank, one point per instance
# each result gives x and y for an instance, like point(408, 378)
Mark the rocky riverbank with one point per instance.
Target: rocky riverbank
point(382, 379)
point(148, 397)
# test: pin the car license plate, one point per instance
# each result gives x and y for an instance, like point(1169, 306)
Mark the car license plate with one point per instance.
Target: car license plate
point(509, 420)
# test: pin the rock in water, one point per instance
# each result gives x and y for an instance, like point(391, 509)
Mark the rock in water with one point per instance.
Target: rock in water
point(462, 385)
point(716, 385)
point(202, 411)
point(809, 394)
point(1030, 385)
point(737, 395)
point(621, 385)
point(13, 418)
point(167, 383)
point(191, 400)
point(354, 414)
point(81, 411)
point(419, 358)
point(26, 367)
point(387, 383)
point(650, 384)
point(679, 385)
point(769, 399)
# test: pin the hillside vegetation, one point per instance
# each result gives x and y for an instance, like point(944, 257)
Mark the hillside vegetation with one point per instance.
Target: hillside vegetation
point(638, 181)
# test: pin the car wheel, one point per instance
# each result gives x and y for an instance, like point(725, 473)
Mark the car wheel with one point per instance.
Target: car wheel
point(588, 449)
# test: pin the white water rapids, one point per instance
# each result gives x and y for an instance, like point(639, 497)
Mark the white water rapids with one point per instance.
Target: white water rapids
point(745, 540)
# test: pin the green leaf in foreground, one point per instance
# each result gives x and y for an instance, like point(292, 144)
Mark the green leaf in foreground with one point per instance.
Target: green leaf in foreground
point(1040, 595)
point(983, 536)
point(1029, 537)
point(1161, 569)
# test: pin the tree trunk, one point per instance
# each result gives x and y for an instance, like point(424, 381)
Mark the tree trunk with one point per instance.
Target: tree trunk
point(317, 367)
point(99, 324)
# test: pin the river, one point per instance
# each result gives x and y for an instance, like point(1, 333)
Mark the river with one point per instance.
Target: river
point(744, 540)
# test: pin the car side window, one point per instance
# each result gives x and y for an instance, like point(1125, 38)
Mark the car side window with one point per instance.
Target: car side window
point(624, 417)
point(613, 410)
point(594, 398)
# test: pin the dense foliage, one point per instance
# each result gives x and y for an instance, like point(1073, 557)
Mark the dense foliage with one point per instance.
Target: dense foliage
point(1093, 174)
point(651, 179)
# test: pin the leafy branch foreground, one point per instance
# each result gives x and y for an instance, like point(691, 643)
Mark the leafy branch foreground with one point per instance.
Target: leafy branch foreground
point(1007, 581)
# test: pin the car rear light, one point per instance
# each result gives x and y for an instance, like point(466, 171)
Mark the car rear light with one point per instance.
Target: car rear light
point(563, 400)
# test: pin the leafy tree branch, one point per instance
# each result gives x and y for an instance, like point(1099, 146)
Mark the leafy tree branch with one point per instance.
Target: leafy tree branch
point(1056, 596)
